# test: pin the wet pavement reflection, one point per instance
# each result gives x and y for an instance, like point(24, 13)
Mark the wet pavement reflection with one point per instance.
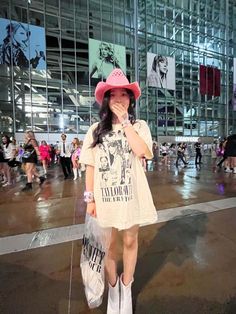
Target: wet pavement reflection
point(185, 265)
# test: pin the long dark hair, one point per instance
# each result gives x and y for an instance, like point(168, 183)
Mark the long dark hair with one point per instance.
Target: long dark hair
point(105, 114)
point(8, 140)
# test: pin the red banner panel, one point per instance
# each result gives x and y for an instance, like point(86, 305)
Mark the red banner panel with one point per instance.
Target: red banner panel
point(217, 82)
point(202, 80)
point(209, 81)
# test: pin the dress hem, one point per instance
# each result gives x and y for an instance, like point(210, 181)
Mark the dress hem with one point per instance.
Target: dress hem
point(128, 225)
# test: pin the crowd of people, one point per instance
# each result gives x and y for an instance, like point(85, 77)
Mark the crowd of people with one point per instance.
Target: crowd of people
point(222, 152)
point(16, 160)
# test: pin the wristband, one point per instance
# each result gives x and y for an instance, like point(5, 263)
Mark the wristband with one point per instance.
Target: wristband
point(88, 197)
point(125, 123)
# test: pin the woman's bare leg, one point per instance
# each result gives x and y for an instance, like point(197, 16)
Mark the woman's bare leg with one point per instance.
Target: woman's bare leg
point(111, 260)
point(44, 162)
point(7, 172)
point(130, 252)
point(28, 171)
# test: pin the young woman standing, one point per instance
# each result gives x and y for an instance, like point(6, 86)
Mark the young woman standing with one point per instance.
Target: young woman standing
point(123, 201)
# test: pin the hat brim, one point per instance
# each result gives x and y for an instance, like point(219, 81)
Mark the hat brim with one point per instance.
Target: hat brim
point(103, 87)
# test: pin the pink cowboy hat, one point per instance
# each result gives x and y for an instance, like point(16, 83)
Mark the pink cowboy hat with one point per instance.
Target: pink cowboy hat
point(116, 79)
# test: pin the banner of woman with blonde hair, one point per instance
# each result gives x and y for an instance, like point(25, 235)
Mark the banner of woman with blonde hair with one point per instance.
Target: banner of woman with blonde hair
point(104, 57)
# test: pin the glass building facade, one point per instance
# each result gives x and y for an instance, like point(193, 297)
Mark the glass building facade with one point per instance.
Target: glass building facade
point(53, 91)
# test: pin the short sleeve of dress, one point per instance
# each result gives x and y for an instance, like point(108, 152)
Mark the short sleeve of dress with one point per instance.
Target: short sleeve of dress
point(143, 131)
point(87, 155)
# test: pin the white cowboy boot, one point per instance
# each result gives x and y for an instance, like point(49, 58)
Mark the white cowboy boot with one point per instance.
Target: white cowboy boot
point(75, 173)
point(113, 303)
point(126, 306)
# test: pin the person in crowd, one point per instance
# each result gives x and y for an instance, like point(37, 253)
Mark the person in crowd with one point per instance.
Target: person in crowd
point(198, 157)
point(221, 152)
point(158, 74)
point(52, 154)
point(172, 150)
point(180, 154)
point(9, 152)
point(131, 204)
point(165, 153)
point(44, 150)
point(214, 149)
point(186, 152)
point(82, 166)
point(75, 157)
point(230, 151)
point(106, 61)
point(64, 151)
point(155, 153)
point(57, 152)
point(2, 161)
point(30, 159)
point(20, 153)
point(16, 162)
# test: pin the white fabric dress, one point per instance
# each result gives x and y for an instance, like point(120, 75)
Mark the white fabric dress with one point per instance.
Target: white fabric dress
point(121, 190)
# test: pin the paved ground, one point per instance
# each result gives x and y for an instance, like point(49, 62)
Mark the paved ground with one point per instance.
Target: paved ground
point(186, 262)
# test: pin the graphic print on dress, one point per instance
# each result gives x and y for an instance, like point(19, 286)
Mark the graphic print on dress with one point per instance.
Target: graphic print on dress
point(115, 167)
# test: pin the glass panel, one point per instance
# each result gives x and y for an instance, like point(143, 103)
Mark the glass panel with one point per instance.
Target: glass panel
point(61, 96)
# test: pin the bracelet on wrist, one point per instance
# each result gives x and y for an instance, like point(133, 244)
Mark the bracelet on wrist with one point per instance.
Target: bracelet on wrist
point(88, 197)
point(125, 123)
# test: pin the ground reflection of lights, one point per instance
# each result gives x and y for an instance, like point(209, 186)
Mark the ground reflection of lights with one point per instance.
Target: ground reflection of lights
point(220, 188)
point(42, 210)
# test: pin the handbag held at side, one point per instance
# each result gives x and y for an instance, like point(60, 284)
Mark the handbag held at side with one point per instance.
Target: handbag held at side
point(95, 244)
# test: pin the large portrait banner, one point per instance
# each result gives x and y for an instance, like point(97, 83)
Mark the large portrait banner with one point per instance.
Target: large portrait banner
point(160, 71)
point(104, 57)
point(22, 45)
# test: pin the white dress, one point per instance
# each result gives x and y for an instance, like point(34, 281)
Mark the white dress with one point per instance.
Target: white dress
point(121, 190)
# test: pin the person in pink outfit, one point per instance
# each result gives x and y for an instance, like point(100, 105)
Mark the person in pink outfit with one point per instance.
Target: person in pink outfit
point(75, 158)
point(44, 150)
